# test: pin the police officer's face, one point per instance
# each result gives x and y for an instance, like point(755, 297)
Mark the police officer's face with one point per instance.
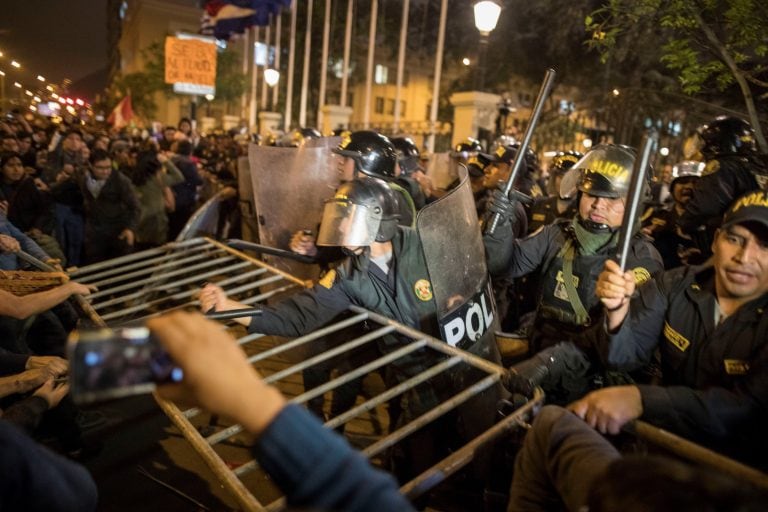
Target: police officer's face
point(602, 210)
point(741, 262)
point(495, 173)
point(346, 168)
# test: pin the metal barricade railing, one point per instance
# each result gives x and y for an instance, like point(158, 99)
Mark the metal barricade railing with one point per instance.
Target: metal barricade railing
point(138, 286)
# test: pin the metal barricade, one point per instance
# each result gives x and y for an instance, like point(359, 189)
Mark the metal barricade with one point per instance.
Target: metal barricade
point(136, 287)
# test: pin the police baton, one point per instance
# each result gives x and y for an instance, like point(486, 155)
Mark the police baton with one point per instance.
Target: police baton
point(546, 86)
point(242, 245)
point(635, 196)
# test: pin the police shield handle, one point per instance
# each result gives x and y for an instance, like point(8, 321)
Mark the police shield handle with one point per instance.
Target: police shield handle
point(546, 87)
point(635, 196)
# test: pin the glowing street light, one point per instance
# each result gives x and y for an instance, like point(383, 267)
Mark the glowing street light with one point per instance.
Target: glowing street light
point(28, 93)
point(41, 78)
point(17, 84)
point(15, 64)
point(2, 73)
point(466, 61)
point(49, 87)
point(271, 77)
point(486, 16)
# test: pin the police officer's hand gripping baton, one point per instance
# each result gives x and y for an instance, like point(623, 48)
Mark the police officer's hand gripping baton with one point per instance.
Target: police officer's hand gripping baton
point(635, 197)
point(546, 86)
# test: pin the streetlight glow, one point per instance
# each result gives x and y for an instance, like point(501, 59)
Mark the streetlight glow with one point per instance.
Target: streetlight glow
point(209, 97)
point(2, 73)
point(664, 151)
point(17, 84)
point(41, 78)
point(271, 77)
point(466, 61)
point(49, 87)
point(15, 64)
point(587, 143)
point(28, 93)
point(486, 16)
point(615, 92)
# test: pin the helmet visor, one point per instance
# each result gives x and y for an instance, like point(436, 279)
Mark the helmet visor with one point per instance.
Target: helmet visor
point(346, 224)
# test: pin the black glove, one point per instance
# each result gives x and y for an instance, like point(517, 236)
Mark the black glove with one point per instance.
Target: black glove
point(501, 204)
point(549, 365)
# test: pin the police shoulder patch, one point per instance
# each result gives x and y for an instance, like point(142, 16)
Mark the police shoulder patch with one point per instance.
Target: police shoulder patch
point(328, 279)
point(423, 289)
point(711, 168)
point(675, 338)
point(736, 366)
point(641, 275)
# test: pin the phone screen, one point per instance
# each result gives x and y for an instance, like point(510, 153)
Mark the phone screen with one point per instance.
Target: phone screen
point(107, 363)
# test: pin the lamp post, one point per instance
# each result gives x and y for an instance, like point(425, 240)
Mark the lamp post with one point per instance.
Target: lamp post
point(486, 16)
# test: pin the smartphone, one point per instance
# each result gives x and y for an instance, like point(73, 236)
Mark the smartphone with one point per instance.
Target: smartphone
point(106, 363)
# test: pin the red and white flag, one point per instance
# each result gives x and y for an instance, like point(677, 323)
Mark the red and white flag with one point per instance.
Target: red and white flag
point(122, 114)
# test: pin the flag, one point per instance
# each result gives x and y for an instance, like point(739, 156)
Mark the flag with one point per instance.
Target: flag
point(122, 114)
point(224, 18)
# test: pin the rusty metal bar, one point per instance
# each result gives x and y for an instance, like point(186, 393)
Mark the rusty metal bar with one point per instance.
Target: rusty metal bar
point(177, 296)
point(210, 457)
point(698, 454)
point(142, 263)
point(154, 268)
point(235, 429)
point(464, 455)
point(433, 342)
point(434, 413)
point(164, 286)
point(128, 286)
point(136, 256)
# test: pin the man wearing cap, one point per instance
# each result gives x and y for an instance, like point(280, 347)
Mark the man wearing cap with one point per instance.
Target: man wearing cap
point(568, 255)
point(710, 326)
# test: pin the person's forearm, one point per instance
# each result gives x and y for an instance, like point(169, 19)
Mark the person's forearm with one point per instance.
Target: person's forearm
point(614, 318)
point(28, 305)
point(13, 384)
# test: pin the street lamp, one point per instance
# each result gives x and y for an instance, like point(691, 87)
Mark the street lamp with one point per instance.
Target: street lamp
point(486, 16)
point(271, 76)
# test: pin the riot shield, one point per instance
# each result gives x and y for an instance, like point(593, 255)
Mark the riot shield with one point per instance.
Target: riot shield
point(466, 311)
point(290, 186)
point(442, 169)
point(453, 249)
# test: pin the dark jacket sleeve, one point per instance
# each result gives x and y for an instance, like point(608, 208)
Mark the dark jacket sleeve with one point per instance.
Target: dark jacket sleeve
point(11, 363)
point(303, 312)
point(318, 470)
point(130, 203)
point(26, 413)
point(34, 478)
point(512, 257)
point(633, 344)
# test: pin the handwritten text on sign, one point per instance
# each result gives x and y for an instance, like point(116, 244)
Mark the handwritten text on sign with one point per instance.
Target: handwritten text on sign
point(190, 61)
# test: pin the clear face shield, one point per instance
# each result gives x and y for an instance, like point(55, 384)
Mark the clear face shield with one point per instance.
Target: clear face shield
point(348, 225)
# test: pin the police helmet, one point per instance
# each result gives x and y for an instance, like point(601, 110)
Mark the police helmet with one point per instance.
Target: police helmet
point(564, 160)
point(362, 211)
point(466, 148)
point(503, 141)
point(506, 154)
point(476, 165)
point(373, 153)
point(408, 155)
point(605, 171)
point(685, 171)
point(299, 136)
point(724, 136)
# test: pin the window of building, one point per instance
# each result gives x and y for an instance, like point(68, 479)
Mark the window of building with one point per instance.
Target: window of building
point(379, 105)
point(380, 74)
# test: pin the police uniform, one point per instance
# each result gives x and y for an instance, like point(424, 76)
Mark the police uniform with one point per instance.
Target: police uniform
point(715, 375)
point(544, 212)
point(662, 223)
point(724, 179)
point(558, 317)
point(403, 294)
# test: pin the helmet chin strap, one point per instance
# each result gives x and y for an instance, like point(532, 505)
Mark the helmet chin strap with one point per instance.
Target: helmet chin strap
point(596, 227)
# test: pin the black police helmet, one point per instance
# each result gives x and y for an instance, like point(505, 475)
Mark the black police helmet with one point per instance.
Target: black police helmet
point(563, 161)
point(408, 154)
point(466, 148)
point(727, 135)
point(373, 153)
point(506, 154)
point(362, 211)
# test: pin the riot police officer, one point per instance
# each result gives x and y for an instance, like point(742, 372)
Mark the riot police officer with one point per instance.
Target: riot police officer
point(410, 174)
point(733, 168)
point(385, 272)
point(372, 154)
point(299, 136)
point(569, 255)
point(661, 222)
point(545, 210)
point(501, 165)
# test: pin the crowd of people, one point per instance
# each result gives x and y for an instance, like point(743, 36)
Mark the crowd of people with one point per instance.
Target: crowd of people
point(677, 338)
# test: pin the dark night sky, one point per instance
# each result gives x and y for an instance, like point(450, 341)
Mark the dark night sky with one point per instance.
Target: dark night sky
point(55, 38)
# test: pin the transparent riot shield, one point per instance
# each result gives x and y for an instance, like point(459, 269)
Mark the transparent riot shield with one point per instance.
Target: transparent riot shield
point(453, 249)
point(466, 311)
point(442, 169)
point(290, 186)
